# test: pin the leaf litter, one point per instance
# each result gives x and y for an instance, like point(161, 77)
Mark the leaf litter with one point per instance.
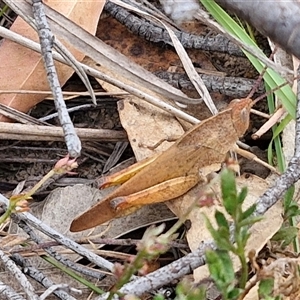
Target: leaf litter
point(138, 137)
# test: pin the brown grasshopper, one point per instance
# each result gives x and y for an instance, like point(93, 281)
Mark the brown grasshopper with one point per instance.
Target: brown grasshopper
point(174, 172)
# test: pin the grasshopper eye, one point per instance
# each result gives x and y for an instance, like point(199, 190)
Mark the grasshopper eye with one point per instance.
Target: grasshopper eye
point(244, 115)
point(235, 101)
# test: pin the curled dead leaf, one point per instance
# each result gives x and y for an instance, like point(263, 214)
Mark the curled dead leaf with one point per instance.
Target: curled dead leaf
point(23, 69)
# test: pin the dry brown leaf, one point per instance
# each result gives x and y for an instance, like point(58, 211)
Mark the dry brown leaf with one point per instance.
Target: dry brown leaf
point(24, 69)
point(157, 126)
point(108, 57)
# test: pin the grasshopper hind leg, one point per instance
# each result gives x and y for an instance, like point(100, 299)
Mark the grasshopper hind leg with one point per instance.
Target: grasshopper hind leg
point(164, 191)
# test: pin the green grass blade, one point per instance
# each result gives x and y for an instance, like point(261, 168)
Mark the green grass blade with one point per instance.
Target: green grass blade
point(72, 274)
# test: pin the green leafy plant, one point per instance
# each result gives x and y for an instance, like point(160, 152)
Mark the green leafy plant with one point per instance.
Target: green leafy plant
point(265, 288)
point(219, 261)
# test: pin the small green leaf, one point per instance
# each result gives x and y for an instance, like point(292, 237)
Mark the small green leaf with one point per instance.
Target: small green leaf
point(292, 211)
point(220, 235)
point(224, 232)
point(286, 235)
point(248, 212)
point(214, 233)
point(244, 236)
point(265, 288)
point(228, 270)
point(229, 192)
point(221, 220)
point(220, 268)
point(250, 221)
point(215, 266)
point(242, 195)
point(224, 244)
point(234, 294)
point(288, 199)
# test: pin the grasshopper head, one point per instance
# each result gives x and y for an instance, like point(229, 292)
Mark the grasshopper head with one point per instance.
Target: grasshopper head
point(240, 114)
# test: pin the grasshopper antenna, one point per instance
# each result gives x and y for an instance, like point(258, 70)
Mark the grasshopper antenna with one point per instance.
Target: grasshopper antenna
point(239, 150)
point(259, 80)
point(272, 91)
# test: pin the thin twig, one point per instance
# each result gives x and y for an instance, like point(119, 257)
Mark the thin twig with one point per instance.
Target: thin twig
point(39, 225)
point(19, 116)
point(19, 276)
point(39, 276)
point(46, 40)
point(66, 93)
point(236, 87)
point(64, 261)
point(269, 124)
point(154, 32)
point(67, 55)
point(52, 290)
point(101, 241)
point(52, 133)
point(9, 293)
